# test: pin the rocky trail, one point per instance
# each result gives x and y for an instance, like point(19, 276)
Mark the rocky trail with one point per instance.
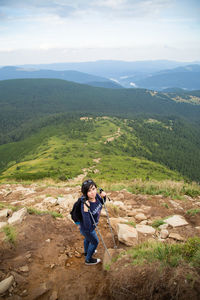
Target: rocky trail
point(47, 261)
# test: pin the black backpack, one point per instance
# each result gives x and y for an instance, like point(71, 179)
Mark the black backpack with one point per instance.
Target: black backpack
point(76, 214)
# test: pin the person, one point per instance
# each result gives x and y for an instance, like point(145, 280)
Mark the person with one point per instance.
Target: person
point(87, 226)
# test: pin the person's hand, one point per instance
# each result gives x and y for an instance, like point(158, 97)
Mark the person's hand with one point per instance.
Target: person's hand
point(103, 194)
point(85, 207)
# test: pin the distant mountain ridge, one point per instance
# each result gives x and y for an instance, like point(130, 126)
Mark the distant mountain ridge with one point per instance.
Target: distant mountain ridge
point(187, 78)
point(155, 75)
point(12, 72)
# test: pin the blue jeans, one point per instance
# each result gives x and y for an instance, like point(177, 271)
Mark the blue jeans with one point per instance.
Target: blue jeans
point(90, 243)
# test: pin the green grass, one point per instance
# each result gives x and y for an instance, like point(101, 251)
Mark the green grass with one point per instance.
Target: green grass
point(131, 223)
point(167, 254)
point(13, 208)
point(61, 152)
point(35, 211)
point(193, 211)
point(157, 223)
point(10, 234)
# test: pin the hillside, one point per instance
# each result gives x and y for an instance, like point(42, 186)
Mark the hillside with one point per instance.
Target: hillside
point(28, 100)
point(110, 148)
point(42, 134)
point(42, 255)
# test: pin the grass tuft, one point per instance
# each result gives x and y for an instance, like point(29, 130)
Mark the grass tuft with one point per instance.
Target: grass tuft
point(10, 234)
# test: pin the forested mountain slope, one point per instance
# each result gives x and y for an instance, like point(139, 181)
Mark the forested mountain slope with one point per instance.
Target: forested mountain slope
point(147, 134)
point(26, 100)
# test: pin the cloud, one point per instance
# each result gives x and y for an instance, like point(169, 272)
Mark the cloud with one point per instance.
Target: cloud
point(68, 8)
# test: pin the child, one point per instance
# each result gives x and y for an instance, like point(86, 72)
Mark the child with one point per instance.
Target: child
point(87, 227)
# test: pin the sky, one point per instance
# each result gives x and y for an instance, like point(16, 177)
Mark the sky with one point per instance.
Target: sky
point(50, 31)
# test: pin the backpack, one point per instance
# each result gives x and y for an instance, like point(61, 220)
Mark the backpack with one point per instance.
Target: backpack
point(76, 214)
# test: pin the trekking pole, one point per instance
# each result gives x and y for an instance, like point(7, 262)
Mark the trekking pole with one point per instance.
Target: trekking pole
point(104, 203)
point(95, 224)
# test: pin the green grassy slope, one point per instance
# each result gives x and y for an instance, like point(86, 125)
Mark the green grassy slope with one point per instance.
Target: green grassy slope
point(108, 147)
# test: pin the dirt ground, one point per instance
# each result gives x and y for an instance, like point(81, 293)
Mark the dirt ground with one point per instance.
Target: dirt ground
point(47, 260)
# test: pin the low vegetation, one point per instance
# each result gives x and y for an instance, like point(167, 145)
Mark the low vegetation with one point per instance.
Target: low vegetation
point(35, 211)
point(167, 254)
point(10, 234)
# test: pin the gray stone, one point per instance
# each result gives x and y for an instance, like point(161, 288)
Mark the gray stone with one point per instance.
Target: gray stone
point(6, 284)
point(146, 229)
point(164, 226)
point(176, 221)
point(176, 237)
point(140, 217)
point(17, 216)
point(164, 233)
point(127, 234)
point(115, 221)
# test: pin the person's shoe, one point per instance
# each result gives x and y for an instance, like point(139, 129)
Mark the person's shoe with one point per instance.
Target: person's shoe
point(95, 251)
point(92, 261)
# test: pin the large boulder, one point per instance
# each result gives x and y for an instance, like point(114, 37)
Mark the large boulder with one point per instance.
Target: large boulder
point(176, 221)
point(115, 221)
point(127, 234)
point(18, 216)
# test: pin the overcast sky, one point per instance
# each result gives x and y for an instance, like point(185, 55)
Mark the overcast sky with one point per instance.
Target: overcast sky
point(47, 31)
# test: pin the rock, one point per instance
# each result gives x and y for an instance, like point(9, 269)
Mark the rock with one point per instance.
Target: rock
point(24, 269)
point(145, 208)
point(19, 279)
point(107, 259)
point(145, 222)
point(134, 212)
point(164, 233)
point(176, 237)
point(175, 205)
point(68, 200)
point(146, 229)
point(50, 200)
point(176, 221)
point(6, 284)
point(119, 203)
point(115, 221)
point(140, 217)
point(77, 254)
point(164, 226)
point(127, 234)
point(5, 213)
point(2, 224)
point(17, 216)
